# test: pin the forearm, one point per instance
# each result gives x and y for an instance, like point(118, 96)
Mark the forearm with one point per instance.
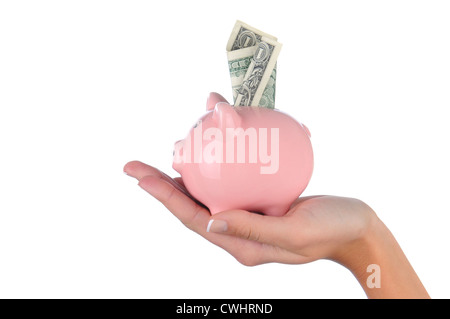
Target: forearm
point(380, 265)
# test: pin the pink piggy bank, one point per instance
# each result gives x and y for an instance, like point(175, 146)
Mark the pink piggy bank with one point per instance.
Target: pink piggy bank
point(245, 157)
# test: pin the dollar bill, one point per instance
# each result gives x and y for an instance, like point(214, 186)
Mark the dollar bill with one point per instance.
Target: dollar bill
point(268, 96)
point(258, 75)
point(244, 36)
point(238, 63)
point(254, 63)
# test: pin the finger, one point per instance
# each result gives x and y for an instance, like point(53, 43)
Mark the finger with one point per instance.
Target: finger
point(139, 170)
point(276, 231)
point(193, 215)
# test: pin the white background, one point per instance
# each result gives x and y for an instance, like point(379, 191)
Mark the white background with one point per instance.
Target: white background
point(86, 86)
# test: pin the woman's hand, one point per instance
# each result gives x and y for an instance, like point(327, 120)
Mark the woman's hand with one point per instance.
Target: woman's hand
point(315, 227)
point(344, 230)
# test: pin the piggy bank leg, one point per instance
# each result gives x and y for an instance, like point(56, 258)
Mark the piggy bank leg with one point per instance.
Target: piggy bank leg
point(278, 210)
point(215, 210)
point(275, 210)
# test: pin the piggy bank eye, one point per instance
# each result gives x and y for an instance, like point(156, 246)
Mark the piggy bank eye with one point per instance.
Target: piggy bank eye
point(198, 123)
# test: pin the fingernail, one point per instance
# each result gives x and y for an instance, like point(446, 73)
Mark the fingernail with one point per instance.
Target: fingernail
point(217, 226)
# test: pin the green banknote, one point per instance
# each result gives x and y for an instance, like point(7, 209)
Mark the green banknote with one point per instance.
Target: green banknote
point(252, 61)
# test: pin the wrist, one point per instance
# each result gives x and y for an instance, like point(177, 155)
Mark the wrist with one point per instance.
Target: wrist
point(379, 264)
point(363, 251)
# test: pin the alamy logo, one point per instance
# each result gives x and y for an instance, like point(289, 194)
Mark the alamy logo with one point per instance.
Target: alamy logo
point(235, 146)
point(374, 279)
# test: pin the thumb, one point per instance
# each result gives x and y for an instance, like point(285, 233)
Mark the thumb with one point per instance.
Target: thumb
point(243, 224)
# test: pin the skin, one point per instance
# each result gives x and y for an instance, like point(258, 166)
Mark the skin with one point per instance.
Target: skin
point(344, 230)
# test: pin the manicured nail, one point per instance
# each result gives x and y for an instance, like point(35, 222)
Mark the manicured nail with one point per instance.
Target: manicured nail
point(217, 226)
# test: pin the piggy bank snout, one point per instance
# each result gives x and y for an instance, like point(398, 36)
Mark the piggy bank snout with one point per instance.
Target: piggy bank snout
point(178, 156)
point(178, 143)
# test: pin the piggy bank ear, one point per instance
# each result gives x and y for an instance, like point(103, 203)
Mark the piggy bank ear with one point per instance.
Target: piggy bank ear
point(213, 99)
point(224, 115)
